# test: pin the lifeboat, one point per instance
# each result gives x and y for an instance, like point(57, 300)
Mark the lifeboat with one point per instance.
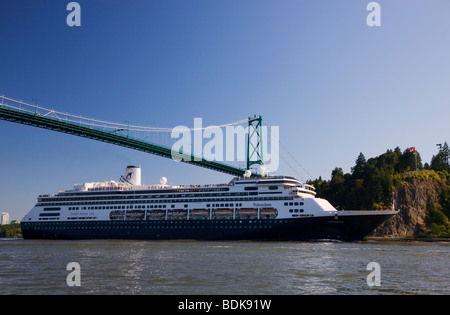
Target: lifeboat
point(269, 213)
point(156, 214)
point(223, 214)
point(177, 214)
point(248, 211)
point(117, 214)
point(135, 214)
point(199, 214)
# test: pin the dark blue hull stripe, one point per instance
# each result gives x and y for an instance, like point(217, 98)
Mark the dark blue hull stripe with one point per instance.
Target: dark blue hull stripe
point(348, 228)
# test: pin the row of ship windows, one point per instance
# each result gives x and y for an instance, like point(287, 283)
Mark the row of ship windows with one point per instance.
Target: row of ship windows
point(296, 210)
point(136, 224)
point(158, 192)
point(140, 196)
point(165, 227)
point(294, 203)
point(146, 207)
point(161, 201)
point(94, 218)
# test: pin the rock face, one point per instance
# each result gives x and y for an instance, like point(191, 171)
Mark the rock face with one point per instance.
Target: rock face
point(415, 198)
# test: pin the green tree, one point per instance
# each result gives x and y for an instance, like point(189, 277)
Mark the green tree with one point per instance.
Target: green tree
point(410, 160)
point(440, 161)
point(390, 160)
point(445, 202)
point(356, 195)
point(10, 230)
point(437, 222)
point(359, 168)
point(337, 187)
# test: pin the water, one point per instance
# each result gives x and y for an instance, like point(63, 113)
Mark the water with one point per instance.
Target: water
point(192, 267)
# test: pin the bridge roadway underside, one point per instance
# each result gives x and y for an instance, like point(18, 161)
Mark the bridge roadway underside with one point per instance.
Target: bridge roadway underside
point(109, 137)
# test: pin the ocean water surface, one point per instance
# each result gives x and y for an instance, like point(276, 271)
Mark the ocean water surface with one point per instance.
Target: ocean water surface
point(243, 267)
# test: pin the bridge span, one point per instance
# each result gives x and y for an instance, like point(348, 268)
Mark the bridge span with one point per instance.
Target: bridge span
point(115, 133)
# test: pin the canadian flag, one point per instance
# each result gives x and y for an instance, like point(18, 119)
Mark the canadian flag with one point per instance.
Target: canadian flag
point(412, 149)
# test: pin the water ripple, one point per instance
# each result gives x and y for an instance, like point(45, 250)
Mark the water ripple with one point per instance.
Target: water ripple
point(131, 267)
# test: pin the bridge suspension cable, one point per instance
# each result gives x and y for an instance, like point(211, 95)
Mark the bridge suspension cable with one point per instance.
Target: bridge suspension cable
point(91, 122)
point(292, 157)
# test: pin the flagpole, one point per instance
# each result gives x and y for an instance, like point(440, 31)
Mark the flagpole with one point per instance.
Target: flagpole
point(415, 154)
point(413, 149)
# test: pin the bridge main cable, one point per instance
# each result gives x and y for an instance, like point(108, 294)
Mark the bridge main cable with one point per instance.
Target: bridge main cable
point(32, 115)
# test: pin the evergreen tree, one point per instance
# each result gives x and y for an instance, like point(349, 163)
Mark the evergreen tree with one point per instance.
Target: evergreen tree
point(440, 162)
point(337, 187)
point(398, 154)
point(356, 195)
point(410, 161)
point(445, 202)
point(358, 169)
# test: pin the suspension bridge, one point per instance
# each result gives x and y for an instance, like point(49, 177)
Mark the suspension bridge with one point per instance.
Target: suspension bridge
point(119, 133)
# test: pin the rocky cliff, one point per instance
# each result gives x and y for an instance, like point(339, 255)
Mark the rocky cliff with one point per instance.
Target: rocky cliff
point(415, 195)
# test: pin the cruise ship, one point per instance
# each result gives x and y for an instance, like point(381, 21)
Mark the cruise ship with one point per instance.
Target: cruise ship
point(247, 208)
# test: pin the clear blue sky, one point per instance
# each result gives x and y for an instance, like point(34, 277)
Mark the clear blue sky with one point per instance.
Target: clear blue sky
point(334, 85)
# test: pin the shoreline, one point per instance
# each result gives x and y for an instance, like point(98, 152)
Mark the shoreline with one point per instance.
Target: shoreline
point(406, 239)
point(369, 238)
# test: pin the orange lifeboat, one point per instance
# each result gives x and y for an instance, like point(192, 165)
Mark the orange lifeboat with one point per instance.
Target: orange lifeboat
point(176, 214)
point(224, 211)
point(269, 213)
point(248, 211)
point(199, 214)
point(156, 214)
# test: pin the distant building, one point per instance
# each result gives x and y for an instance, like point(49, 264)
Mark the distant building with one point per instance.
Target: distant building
point(5, 218)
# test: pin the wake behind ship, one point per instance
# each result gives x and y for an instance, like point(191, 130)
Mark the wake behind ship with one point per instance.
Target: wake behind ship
point(265, 208)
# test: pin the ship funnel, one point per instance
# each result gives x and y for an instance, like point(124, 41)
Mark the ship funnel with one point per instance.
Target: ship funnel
point(132, 175)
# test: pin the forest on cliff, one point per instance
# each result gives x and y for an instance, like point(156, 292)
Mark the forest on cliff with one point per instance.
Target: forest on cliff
point(373, 183)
